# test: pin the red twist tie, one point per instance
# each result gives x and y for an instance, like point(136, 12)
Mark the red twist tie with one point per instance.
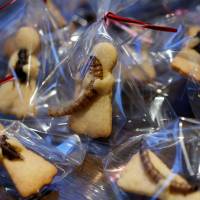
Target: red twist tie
point(6, 79)
point(6, 4)
point(113, 16)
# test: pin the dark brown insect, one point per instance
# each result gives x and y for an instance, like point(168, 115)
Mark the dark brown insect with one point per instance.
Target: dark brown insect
point(157, 176)
point(8, 150)
point(96, 67)
point(88, 95)
point(22, 60)
point(197, 47)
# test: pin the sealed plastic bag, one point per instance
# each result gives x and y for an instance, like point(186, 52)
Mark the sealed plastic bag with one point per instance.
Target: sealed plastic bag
point(155, 68)
point(89, 85)
point(28, 55)
point(163, 164)
point(191, 56)
point(34, 161)
point(75, 14)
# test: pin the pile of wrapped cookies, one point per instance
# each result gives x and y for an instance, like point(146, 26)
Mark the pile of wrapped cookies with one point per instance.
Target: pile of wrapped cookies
point(99, 100)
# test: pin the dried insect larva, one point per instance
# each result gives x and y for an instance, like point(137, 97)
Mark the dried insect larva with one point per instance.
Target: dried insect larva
point(183, 188)
point(157, 176)
point(197, 47)
point(96, 68)
point(8, 150)
point(22, 60)
point(88, 95)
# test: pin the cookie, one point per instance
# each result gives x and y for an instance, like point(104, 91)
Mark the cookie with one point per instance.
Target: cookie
point(22, 106)
point(143, 70)
point(56, 13)
point(18, 93)
point(17, 99)
point(193, 30)
point(29, 172)
point(144, 73)
point(96, 119)
point(27, 38)
point(91, 112)
point(187, 63)
point(86, 121)
point(174, 196)
point(135, 179)
point(24, 66)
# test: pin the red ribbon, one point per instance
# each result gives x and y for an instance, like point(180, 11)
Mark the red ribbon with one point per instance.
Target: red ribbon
point(142, 24)
point(6, 79)
point(6, 4)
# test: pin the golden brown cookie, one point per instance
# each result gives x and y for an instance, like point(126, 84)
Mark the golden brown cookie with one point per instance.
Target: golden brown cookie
point(85, 121)
point(134, 177)
point(17, 94)
point(187, 63)
point(30, 172)
point(144, 70)
point(56, 13)
point(95, 119)
point(27, 38)
point(174, 196)
point(91, 110)
point(193, 30)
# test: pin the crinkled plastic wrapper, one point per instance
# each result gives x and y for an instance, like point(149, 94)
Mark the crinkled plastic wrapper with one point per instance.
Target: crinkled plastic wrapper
point(29, 53)
point(60, 88)
point(193, 79)
point(154, 58)
point(65, 152)
point(66, 84)
point(164, 164)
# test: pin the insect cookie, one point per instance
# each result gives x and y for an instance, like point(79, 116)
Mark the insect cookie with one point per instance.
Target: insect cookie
point(28, 171)
point(91, 111)
point(146, 174)
point(187, 61)
point(24, 66)
point(87, 95)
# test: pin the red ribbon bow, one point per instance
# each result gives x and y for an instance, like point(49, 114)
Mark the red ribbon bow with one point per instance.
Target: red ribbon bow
point(142, 24)
point(6, 79)
point(6, 4)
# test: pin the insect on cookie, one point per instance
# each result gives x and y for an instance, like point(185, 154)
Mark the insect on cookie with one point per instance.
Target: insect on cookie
point(146, 174)
point(91, 111)
point(175, 196)
point(24, 66)
point(28, 171)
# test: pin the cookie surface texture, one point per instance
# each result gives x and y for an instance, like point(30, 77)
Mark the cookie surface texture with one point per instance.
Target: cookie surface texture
point(96, 119)
point(134, 178)
point(30, 174)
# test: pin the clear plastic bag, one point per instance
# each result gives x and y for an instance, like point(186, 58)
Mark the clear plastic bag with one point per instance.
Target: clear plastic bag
point(154, 53)
point(65, 152)
point(28, 55)
point(60, 86)
point(192, 86)
point(76, 13)
point(177, 146)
